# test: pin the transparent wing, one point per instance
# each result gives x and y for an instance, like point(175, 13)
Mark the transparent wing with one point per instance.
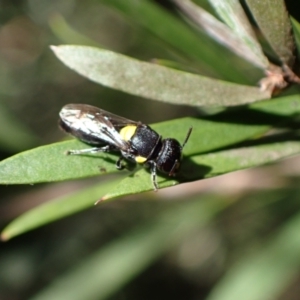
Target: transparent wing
point(91, 124)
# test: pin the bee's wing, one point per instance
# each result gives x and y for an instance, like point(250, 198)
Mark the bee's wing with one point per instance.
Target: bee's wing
point(98, 125)
point(117, 122)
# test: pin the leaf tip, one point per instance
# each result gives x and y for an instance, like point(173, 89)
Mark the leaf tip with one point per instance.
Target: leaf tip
point(4, 237)
point(98, 201)
point(53, 48)
point(56, 49)
point(106, 197)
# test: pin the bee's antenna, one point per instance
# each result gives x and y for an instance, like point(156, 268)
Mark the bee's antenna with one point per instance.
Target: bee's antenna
point(187, 137)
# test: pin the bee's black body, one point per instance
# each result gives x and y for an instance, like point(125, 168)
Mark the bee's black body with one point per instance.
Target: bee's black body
point(108, 132)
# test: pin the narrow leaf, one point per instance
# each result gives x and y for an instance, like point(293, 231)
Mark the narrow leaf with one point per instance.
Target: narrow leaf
point(232, 13)
point(113, 266)
point(269, 271)
point(296, 30)
point(66, 33)
point(273, 20)
point(152, 81)
point(56, 209)
point(223, 34)
point(197, 47)
point(208, 165)
point(50, 163)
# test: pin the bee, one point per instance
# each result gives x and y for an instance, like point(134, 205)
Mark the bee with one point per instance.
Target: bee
point(136, 141)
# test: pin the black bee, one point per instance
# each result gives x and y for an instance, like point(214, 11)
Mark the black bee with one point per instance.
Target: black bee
point(136, 141)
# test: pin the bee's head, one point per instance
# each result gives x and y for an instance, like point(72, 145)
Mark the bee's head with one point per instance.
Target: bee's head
point(169, 157)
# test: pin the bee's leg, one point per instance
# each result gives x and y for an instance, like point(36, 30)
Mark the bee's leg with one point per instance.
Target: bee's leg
point(153, 175)
point(119, 164)
point(94, 150)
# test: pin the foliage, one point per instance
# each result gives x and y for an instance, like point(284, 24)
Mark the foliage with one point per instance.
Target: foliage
point(252, 126)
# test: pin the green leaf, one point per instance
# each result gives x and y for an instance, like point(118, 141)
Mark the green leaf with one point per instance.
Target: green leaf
point(296, 30)
point(222, 33)
point(152, 81)
point(56, 209)
point(232, 13)
point(288, 105)
point(208, 165)
point(113, 266)
point(269, 271)
point(203, 52)
point(49, 163)
point(273, 20)
point(66, 33)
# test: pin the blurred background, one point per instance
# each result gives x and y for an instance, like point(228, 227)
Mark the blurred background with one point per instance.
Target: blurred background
point(251, 211)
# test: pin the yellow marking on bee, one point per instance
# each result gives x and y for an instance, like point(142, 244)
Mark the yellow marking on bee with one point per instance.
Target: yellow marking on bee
point(140, 159)
point(127, 132)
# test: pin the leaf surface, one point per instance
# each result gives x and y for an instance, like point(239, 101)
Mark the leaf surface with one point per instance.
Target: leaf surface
point(273, 20)
point(152, 81)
